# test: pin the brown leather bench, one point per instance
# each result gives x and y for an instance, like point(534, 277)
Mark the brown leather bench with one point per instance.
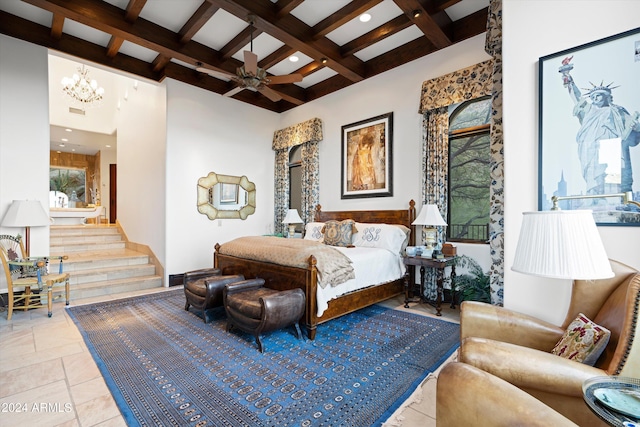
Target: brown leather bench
point(203, 289)
point(255, 309)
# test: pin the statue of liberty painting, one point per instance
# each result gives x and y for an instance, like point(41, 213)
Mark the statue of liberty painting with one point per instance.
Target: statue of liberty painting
point(601, 119)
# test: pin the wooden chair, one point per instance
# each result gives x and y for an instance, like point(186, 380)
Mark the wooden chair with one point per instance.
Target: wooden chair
point(26, 275)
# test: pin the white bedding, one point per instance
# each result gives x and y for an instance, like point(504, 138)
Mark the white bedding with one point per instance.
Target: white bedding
point(372, 266)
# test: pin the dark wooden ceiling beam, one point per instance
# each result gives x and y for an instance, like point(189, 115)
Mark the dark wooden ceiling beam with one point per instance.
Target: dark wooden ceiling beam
point(470, 25)
point(134, 7)
point(285, 7)
point(200, 17)
point(352, 10)
point(390, 28)
point(276, 56)
point(32, 32)
point(310, 68)
point(57, 23)
point(238, 42)
point(107, 18)
point(295, 33)
point(424, 22)
point(195, 23)
point(434, 6)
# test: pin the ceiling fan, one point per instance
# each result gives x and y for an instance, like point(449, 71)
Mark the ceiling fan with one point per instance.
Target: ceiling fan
point(252, 77)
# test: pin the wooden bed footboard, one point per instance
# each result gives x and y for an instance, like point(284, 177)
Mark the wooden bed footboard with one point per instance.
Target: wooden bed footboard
point(282, 277)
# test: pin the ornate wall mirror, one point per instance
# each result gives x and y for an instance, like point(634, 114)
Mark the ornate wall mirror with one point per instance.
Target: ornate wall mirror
point(226, 197)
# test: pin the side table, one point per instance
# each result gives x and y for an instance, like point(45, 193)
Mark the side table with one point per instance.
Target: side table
point(621, 393)
point(439, 265)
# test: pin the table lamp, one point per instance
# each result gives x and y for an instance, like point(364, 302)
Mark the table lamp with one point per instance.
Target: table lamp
point(292, 218)
point(27, 214)
point(561, 245)
point(429, 216)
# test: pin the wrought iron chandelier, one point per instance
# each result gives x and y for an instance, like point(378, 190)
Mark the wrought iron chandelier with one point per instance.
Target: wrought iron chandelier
point(83, 90)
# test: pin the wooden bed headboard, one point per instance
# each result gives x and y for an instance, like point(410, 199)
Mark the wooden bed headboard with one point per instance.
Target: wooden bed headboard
point(403, 216)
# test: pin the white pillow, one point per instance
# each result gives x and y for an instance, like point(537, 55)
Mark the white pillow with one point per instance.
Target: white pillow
point(313, 231)
point(385, 236)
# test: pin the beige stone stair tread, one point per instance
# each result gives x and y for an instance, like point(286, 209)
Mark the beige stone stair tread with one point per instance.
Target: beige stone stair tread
point(103, 255)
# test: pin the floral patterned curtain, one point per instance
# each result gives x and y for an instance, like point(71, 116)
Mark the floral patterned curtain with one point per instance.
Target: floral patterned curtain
point(437, 95)
point(493, 46)
point(307, 134)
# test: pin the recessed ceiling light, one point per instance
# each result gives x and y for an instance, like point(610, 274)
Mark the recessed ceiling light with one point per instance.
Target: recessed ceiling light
point(73, 149)
point(293, 58)
point(365, 17)
point(64, 139)
point(108, 146)
point(416, 13)
point(60, 145)
point(68, 130)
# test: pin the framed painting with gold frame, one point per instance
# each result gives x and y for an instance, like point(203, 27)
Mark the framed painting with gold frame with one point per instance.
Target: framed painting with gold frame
point(367, 162)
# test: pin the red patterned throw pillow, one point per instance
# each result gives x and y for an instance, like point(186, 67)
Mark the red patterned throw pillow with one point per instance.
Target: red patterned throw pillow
point(583, 341)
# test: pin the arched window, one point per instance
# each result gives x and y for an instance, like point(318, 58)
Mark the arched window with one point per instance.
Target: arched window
point(469, 178)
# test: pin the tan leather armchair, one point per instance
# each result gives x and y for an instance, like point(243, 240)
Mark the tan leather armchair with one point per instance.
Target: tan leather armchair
point(516, 347)
point(468, 396)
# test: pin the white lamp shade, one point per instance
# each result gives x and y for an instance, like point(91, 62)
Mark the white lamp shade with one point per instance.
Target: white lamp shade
point(561, 245)
point(25, 213)
point(292, 217)
point(429, 215)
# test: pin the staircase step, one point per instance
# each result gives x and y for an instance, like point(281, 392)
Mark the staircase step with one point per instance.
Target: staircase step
point(81, 277)
point(81, 239)
point(99, 263)
point(111, 287)
point(102, 259)
point(82, 230)
point(68, 248)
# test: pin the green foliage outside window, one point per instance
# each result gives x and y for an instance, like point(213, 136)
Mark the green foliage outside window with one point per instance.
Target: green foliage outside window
point(469, 165)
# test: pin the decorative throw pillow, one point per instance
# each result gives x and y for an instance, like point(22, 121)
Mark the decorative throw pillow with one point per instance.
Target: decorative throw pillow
point(339, 233)
point(313, 231)
point(583, 341)
point(386, 236)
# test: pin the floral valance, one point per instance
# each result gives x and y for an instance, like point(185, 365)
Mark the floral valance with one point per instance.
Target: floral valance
point(311, 130)
point(463, 85)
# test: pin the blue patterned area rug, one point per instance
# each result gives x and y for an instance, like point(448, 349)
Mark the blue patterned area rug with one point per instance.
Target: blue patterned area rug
point(166, 367)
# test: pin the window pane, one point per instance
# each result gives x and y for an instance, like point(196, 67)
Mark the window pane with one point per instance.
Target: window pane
point(471, 115)
point(469, 175)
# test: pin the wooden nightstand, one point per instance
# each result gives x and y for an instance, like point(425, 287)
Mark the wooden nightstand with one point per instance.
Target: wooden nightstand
point(423, 263)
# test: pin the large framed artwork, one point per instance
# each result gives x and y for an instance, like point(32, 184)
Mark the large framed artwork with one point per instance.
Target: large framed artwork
point(367, 158)
point(589, 111)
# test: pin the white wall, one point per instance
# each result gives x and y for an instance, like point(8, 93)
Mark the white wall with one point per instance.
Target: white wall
point(24, 132)
point(141, 170)
point(531, 30)
point(207, 133)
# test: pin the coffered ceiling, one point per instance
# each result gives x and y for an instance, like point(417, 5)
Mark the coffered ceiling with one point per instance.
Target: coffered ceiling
point(154, 39)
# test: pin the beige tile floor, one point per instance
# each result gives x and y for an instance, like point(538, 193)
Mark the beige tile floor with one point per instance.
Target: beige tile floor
point(48, 377)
